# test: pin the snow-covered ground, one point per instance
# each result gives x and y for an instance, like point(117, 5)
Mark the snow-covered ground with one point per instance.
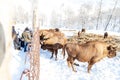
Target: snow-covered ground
point(106, 69)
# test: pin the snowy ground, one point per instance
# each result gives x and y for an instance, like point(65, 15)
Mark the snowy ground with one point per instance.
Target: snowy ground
point(106, 69)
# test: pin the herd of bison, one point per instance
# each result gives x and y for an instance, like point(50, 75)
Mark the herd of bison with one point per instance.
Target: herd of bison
point(82, 46)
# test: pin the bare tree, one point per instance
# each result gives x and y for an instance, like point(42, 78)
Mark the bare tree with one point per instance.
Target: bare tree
point(84, 14)
point(99, 14)
point(70, 17)
point(54, 19)
point(111, 15)
point(42, 19)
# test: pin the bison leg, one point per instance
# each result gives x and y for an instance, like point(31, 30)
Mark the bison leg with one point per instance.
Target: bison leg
point(91, 62)
point(52, 54)
point(89, 67)
point(56, 51)
point(70, 61)
point(63, 52)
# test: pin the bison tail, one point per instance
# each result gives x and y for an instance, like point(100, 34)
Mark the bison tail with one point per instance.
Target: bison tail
point(63, 51)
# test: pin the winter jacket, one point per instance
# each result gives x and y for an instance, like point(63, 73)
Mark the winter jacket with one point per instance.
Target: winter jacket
point(26, 36)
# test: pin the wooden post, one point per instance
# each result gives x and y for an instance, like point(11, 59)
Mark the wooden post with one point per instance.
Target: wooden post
point(35, 48)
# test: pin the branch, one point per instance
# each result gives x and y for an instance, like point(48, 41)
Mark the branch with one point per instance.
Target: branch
point(99, 15)
point(111, 15)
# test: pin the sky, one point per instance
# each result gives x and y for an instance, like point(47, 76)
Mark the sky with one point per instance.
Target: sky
point(55, 4)
point(47, 6)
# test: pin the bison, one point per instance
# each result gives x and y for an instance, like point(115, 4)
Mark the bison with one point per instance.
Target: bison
point(53, 44)
point(91, 52)
point(52, 41)
point(52, 48)
point(50, 33)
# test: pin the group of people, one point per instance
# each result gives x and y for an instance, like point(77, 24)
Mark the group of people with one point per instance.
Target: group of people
point(22, 41)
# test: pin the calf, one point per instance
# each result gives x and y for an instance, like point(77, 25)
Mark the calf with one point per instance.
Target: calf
point(52, 48)
point(53, 40)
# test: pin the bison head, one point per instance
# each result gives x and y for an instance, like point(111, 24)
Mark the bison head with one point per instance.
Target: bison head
point(43, 47)
point(111, 51)
point(42, 38)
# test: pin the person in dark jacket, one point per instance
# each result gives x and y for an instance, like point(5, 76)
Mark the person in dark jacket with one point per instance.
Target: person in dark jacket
point(27, 38)
point(15, 37)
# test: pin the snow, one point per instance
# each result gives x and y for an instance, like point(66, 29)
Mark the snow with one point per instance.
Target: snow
point(106, 69)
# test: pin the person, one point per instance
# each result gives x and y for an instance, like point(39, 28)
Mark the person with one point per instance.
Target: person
point(16, 39)
point(26, 35)
point(13, 31)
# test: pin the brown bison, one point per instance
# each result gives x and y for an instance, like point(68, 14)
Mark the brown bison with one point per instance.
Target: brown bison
point(52, 48)
point(105, 35)
point(48, 33)
point(53, 44)
point(91, 52)
point(52, 41)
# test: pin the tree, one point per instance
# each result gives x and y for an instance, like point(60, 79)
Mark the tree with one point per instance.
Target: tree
point(70, 17)
point(54, 19)
point(42, 19)
point(99, 13)
point(84, 15)
point(111, 15)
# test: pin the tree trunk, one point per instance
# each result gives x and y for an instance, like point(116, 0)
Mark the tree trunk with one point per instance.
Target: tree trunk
point(111, 15)
point(35, 48)
point(99, 15)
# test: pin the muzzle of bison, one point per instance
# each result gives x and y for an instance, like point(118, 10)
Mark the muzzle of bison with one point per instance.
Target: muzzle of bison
point(91, 52)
